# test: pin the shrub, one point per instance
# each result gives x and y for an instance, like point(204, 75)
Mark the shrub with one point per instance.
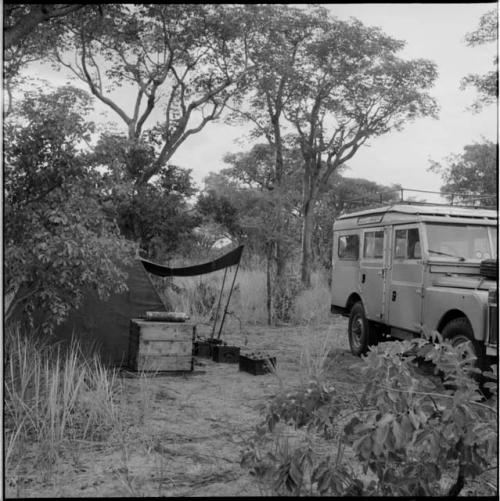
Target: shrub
point(409, 436)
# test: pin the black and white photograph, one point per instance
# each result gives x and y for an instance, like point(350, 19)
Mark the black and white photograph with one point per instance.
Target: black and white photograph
point(250, 250)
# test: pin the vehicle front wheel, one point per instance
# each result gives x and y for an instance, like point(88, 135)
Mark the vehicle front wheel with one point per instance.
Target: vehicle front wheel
point(459, 331)
point(358, 330)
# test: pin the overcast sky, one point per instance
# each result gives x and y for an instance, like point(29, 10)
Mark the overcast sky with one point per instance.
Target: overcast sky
point(432, 31)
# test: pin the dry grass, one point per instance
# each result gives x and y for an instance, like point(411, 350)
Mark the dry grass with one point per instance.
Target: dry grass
point(312, 306)
point(199, 297)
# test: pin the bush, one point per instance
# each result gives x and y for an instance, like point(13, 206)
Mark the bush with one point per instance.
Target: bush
point(407, 436)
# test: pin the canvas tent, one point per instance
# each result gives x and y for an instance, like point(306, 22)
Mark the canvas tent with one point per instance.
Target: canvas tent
point(106, 324)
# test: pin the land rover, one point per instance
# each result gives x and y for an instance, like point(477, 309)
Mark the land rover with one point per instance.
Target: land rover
point(407, 268)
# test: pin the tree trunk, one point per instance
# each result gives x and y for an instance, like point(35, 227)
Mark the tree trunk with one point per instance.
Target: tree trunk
point(278, 166)
point(269, 282)
point(307, 228)
point(280, 260)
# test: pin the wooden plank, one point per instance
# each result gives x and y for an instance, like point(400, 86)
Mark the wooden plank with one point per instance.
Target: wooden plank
point(164, 363)
point(161, 331)
point(172, 348)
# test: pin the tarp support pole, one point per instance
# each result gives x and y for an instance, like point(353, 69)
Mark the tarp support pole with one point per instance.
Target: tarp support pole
point(218, 304)
point(228, 299)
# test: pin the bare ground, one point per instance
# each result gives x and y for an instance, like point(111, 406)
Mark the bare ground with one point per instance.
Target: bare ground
point(183, 435)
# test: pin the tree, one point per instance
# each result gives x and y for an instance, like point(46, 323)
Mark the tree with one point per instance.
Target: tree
point(330, 85)
point(349, 86)
point(272, 214)
point(220, 215)
point(181, 60)
point(155, 214)
point(275, 33)
point(58, 241)
point(472, 172)
point(242, 200)
point(487, 84)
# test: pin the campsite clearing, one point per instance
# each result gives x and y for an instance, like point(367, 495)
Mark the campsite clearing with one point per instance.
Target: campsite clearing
point(182, 435)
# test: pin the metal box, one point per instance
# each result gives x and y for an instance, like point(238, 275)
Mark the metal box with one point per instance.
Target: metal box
point(226, 354)
point(161, 346)
point(256, 366)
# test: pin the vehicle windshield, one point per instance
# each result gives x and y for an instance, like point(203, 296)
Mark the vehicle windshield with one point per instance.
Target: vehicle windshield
point(461, 241)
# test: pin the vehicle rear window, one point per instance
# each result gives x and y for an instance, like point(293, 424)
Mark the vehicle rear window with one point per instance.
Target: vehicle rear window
point(348, 247)
point(374, 244)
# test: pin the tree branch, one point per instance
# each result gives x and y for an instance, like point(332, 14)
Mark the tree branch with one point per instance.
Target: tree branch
point(96, 92)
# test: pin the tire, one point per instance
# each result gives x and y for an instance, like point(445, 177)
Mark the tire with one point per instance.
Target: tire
point(489, 268)
point(459, 331)
point(358, 330)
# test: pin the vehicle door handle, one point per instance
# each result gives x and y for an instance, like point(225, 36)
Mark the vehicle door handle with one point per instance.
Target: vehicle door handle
point(394, 295)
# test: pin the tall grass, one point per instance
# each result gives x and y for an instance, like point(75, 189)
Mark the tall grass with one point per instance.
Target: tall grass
point(53, 394)
point(198, 296)
point(313, 305)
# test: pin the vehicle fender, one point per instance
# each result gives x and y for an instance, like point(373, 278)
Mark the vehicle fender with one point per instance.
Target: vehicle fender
point(443, 302)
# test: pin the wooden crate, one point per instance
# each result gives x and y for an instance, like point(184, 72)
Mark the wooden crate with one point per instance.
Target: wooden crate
point(161, 346)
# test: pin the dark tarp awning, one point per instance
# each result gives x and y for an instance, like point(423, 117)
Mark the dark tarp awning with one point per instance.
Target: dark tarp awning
point(230, 259)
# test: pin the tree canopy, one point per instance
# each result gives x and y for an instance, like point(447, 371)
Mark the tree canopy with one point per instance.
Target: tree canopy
point(473, 172)
point(487, 84)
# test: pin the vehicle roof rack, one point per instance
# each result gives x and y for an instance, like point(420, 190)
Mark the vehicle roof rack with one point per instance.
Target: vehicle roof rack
point(407, 196)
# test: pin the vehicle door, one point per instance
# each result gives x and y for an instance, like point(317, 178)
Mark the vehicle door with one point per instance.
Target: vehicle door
point(405, 279)
point(345, 265)
point(372, 272)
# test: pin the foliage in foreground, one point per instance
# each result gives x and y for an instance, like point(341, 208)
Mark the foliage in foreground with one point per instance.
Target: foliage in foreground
point(408, 435)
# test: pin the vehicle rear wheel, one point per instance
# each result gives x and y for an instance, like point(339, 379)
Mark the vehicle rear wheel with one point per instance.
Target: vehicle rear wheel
point(459, 331)
point(358, 330)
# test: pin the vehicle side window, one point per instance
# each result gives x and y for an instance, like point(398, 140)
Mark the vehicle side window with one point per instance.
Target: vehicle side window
point(348, 247)
point(374, 244)
point(407, 244)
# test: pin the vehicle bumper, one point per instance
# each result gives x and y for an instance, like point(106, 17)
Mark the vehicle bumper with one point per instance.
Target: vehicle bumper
point(339, 310)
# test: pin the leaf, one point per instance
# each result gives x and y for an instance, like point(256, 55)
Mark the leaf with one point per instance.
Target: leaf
point(414, 419)
point(381, 438)
point(398, 433)
point(406, 425)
